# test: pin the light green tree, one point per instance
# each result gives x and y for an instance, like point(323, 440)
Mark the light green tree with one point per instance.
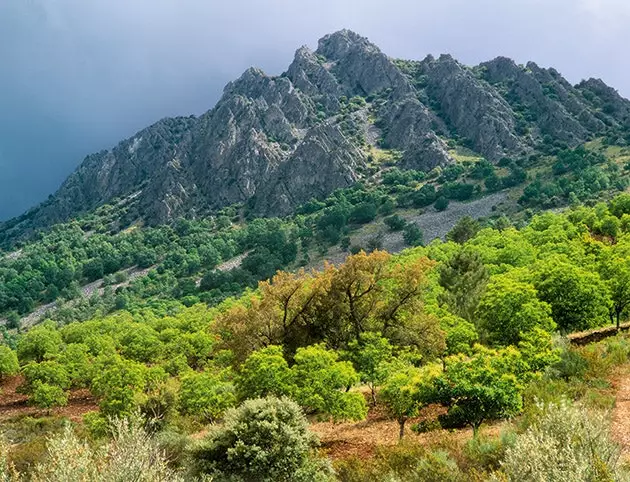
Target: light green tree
point(118, 383)
point(406, 389)
point(321, 384)
point(368, 355)
point(509, 308)
point(478, 388)
point(9, 365)
point(578, 297)
point(264, 373)
point(206, 394)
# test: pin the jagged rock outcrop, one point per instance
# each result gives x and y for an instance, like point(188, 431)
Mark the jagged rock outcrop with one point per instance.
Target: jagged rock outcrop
point(272, 143)
point(472, 110)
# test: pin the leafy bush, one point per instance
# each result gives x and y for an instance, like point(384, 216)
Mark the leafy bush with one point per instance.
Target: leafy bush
point(9, 365)
point(264, 439)
point(395, 222)
point(441, 203)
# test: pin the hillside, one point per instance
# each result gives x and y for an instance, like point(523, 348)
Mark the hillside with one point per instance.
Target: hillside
point(273, 143)
point(364, 269)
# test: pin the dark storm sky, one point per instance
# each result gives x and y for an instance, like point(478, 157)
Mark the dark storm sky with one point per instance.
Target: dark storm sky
point(79, 75)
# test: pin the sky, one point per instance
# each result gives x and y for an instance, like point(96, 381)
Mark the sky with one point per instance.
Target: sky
point(77, 76)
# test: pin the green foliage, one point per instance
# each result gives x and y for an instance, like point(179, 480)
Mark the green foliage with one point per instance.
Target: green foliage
point(395, 222)
point(478, 389)
point(265, 373)
point(412, 235)
point(47, 396)
point(321, 384)
point(509, 309)
point(39, 343)
point(118, 382)
point(406, 389)
point(578, 298)
point(9, 365)
point(263, 439)
point(369, 354)
point(441, 203)
point(463, 277)
point(206, 395)
point(465, 229)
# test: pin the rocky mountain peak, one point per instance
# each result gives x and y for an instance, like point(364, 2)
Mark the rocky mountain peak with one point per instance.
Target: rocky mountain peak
point(274, 142)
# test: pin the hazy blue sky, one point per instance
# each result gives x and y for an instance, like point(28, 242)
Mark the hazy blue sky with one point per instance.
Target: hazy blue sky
point(78, 75)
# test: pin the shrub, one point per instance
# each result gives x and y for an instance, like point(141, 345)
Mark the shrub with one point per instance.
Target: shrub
point(264, 439)
point(395, 222)
point(48, 396)
point(206, 395)
point(131, 455)
point(441, 203)
point(566, 443)
point(412, 235)
point(9, 365)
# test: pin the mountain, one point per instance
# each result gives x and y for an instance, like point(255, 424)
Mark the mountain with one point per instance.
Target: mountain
point(273, 143)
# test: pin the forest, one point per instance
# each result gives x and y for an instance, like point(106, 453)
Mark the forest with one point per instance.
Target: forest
point(228, 376)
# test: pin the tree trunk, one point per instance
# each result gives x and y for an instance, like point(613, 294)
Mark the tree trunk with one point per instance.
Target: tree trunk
point(401, 434)
point(373, 389)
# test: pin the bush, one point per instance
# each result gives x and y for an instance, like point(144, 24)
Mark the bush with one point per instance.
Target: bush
point(9, 365)
point(131, 455)
point(412, 235)
point(441, 203)
point(566, 443)
point(264, 439)
point(395, 222)
point(48, 396)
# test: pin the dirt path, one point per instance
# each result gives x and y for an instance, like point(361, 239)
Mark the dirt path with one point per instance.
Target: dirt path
point(621, 412)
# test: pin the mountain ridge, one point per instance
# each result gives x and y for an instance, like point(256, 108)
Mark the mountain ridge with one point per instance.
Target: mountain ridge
point(274, 142)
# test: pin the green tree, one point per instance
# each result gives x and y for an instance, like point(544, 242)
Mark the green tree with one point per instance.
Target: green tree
point(76, 360)
point(579, 299)
point(615, 270)
point(510, 308)
point(118, 382)
point(321, 384)
point(48, 396)
point(412, 235)
point(463, 277)
point(264, 373)
point(368, 355)
point(206, 395)
point(465, 229)
point(478, 388)
point(441, 203)
point(39, 343)
point(406, 389)
point(395, 222)
point(48, 372)
point(9, 365)
point(266, 440)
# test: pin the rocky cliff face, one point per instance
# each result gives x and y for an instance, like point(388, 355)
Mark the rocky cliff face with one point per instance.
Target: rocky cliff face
point(276, 142)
